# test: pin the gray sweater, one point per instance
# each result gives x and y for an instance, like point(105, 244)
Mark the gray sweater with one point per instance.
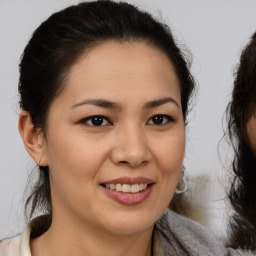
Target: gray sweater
point(174, 235)
point(182, 236)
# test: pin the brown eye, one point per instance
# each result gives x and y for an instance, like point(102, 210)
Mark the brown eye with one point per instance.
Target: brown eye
point(96, 121)
point(160, 120)
point(157, 119)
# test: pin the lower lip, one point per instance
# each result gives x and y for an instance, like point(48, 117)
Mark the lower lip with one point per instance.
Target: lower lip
point(129, 198)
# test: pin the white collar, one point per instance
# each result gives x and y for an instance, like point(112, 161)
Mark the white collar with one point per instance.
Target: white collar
point(25, 241)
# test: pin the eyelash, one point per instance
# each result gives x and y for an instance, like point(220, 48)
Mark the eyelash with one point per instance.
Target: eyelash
point(168, 119)
point(89, 119)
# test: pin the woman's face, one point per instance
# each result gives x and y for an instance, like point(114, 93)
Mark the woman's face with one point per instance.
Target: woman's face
point(251, 131)
point(115, 139)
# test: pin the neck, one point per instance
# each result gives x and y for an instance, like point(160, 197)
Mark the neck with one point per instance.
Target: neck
point(73, 239)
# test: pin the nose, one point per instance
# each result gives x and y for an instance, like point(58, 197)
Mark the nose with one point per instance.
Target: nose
point(131, 149)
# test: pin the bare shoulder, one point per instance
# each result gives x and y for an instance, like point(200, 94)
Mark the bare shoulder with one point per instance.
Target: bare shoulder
point(10, 247)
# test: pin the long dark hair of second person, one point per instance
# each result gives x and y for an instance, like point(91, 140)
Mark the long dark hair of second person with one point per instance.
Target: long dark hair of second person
point(242, 194)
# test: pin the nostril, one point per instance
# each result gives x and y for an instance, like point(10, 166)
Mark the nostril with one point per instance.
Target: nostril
point(124, 163)
point(133, 163)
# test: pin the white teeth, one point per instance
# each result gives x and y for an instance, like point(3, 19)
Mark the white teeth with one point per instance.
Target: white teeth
point(135, 188)
point(112, 186)
point(127, 188)
point(119, 187)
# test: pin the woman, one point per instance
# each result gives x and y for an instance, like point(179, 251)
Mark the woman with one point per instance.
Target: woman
point(242, 134)
point(104, 93)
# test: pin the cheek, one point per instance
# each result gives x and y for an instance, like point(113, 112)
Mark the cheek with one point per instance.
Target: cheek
point(74, 163)
point(170, 155)
point(73, 159)
point(170, 152)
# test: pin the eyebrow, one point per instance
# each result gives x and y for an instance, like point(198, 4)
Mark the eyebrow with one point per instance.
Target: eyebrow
point(99, 103)
point(159, 102)
point(113, 105)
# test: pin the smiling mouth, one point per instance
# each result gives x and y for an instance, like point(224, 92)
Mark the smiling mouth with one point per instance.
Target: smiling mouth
point(127, 188)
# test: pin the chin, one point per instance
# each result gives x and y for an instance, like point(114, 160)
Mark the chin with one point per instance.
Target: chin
point(130, 228)
point(130, 223)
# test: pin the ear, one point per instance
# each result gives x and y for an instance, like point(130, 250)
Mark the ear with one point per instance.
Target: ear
point(33, 138)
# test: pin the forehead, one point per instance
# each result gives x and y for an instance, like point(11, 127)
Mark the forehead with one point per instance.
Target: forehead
point(113, 68)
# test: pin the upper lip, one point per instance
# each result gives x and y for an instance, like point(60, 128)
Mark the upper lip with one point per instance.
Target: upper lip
point(129, 180)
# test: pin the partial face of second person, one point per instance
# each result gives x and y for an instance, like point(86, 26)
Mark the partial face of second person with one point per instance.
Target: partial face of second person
point(251, 131)
point(118, 124)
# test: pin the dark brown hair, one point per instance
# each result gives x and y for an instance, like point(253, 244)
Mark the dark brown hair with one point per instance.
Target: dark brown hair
point(242, 193)
point(58, 43)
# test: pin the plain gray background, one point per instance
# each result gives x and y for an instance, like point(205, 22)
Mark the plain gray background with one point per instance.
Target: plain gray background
point(213, 31)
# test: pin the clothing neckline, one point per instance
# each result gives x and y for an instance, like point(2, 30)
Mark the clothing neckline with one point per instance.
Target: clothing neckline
point(24, 246)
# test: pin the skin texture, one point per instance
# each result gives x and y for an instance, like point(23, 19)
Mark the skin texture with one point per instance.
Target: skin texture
point(251, 131)
point(86, 221)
